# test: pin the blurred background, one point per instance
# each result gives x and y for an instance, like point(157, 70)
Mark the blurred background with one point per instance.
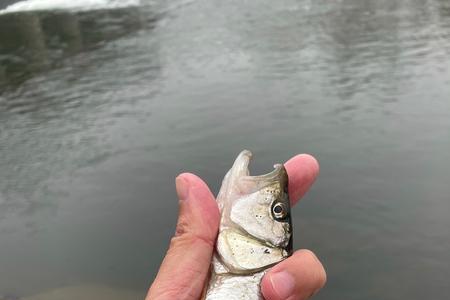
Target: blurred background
point(103, 103)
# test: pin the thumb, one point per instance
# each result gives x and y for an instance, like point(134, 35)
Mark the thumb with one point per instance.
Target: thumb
point(185, 268)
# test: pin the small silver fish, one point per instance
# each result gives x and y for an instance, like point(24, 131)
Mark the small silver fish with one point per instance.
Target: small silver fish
point(255, 231)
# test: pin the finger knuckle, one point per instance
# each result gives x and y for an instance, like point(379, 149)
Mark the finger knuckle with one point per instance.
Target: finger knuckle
point(184, 235)
point(182, 227)
point(175, 292)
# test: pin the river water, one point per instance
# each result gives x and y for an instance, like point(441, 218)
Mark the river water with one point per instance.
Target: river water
point(100, 109)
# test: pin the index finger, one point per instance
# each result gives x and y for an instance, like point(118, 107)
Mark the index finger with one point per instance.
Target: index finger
point(302, 171)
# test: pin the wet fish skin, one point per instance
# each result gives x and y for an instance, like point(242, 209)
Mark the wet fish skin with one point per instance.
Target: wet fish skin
point(255, 231)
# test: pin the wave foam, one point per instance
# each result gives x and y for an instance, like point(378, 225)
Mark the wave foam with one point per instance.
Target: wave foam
point(78, 5)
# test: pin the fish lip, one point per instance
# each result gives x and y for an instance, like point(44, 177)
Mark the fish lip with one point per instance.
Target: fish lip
point(259, 182)
point(241, 163)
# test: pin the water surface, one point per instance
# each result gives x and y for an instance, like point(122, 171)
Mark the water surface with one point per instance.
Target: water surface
point(101, 109)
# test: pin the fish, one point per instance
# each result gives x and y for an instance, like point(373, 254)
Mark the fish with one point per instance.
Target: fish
point(255, 231)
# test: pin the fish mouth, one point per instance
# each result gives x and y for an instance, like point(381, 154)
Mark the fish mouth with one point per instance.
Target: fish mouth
point(241, 173)
point(240, 165)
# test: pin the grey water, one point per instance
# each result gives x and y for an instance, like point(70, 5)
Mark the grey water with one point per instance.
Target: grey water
point(100, 110)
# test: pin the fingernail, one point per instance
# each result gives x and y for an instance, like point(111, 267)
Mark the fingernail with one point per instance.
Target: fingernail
point(283, 284)
point(182, 187)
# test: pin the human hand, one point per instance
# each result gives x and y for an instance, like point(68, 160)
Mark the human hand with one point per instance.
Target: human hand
point(184, 271)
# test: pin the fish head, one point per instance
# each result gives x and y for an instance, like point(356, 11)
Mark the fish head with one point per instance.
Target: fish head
point(263, 210)
point(256, 228)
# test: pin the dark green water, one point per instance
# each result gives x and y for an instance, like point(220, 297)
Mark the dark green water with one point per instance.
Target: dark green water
point(100, 110)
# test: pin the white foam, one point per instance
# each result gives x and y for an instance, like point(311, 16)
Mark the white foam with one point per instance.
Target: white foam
point(72, 5)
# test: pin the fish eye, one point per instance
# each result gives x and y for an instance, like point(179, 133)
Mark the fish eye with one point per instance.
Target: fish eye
point(279, 211)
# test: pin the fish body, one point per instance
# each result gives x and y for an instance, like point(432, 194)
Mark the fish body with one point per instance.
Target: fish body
point(255, 231)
